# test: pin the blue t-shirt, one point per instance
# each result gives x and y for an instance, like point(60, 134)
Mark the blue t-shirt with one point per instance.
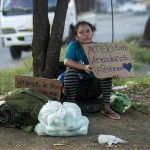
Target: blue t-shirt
point(76, 53)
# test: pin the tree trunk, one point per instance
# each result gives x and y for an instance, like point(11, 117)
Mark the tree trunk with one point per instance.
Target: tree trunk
point(53, 53)
point(145, 42)
point(45, 47)
point(147, 30)
point(41, 30)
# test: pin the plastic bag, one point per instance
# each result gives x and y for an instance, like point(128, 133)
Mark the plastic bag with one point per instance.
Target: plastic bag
point(109, 139)
point(61, 120)
point(120, 102)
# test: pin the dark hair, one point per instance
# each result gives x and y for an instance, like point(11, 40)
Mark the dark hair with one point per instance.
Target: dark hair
point(93, 28)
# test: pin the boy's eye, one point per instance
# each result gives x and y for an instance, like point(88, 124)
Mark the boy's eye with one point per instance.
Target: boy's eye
point(87, 31)
point(82, 32)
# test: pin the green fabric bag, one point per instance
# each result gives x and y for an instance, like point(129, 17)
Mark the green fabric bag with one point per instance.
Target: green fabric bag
point(26, 103)
point(120, 102)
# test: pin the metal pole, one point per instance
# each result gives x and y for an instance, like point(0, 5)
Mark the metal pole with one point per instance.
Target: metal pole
point(112, 13)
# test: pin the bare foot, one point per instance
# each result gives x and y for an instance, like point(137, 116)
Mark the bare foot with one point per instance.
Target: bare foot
point(109, 112)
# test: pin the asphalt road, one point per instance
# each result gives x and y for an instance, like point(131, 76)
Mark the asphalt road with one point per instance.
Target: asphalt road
point(124, 25)
point(6, 60)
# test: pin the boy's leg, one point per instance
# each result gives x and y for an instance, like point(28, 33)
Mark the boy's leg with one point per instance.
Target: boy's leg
point(97, 87)
point(106, 89)
point(101, 87)
point(71, 84)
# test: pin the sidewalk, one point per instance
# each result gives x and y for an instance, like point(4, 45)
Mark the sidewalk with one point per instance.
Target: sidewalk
point(133, 128)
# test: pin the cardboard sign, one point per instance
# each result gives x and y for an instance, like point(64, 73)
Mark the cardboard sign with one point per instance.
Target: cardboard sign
point(109, 59)
point(51, 86)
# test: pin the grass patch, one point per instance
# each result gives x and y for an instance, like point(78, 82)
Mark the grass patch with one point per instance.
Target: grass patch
point(8, 74)
point(140, 57)
point(137, 80)
point(25, 68)
point(138, 106)
point(134, 38)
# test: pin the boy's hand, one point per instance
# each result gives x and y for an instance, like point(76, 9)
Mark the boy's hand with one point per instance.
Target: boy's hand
point(88, 69)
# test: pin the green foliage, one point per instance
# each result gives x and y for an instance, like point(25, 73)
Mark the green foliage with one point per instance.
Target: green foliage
point(140, 55)
point(134, 82)
point(139, 106)
point(62, 53)
point(7, 75)
point(25, 68)
point(134, 38)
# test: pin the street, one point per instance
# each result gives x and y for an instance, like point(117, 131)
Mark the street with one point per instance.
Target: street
point(6, 60)
point(124, 25)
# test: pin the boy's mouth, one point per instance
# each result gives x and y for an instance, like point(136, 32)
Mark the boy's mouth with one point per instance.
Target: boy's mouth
point(86, 40)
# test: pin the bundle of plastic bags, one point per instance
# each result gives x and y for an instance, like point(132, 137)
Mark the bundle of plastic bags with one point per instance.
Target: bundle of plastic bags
point(56, 119)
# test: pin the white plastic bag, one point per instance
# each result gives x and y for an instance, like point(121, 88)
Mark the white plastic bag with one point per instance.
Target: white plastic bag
point(56, 119)
point(109, 139)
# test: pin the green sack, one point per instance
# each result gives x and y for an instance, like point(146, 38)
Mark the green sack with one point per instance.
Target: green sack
point(120, 102)
point(26, 104)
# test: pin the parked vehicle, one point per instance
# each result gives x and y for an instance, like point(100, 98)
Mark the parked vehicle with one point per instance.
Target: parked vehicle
point(134, 6)
point(16, 23)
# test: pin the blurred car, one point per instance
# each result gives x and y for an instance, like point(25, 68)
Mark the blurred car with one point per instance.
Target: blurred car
point(134, 7)
point(16, 23)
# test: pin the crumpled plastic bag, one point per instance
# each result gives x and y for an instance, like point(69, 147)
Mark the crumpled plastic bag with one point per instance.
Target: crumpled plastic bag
point(120, 102)
point(109, 139)
point(56, 119)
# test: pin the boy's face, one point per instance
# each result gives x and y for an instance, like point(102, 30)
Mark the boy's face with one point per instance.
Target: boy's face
point(84, 33)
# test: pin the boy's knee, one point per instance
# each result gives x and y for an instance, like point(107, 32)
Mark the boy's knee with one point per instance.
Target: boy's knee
point(71, 72)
